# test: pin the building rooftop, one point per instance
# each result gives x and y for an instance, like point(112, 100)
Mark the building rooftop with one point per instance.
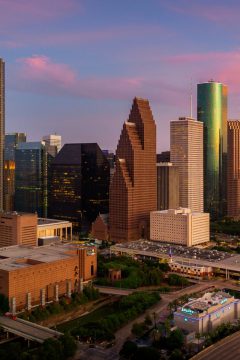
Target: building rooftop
point(206, 302)
point(179, 211)
point(17, 257)
point(45, 221)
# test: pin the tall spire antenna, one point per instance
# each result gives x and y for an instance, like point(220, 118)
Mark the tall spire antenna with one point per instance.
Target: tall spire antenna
point(191, 112)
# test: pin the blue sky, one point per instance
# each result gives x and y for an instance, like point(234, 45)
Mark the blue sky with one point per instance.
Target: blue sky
point(73, 66)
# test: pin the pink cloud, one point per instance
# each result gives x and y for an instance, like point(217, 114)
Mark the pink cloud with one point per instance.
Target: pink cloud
point(15, 12)
point(39, 74)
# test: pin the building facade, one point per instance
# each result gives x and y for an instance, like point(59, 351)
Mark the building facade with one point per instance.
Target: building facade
point(31, 276)
point(53, 143)
point(180, 226)
point(204, 314)
point(167, 186)
point(79, 185)
point(233, 173)
point(18, 229)
point(212, 111)
point(8, 185)
point(133, 189)
point(186, 142)
point(31, 178)
point(12, 140)
point(54, 228)
point(2, 126)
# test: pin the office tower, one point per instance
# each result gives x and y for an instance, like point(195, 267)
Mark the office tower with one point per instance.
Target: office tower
point(167, 186)
point(233, 167)
point(186, 137)
point(53, 143)
point(212, 111)
point(180, 226)
point(2, 126)
point(11, 143)
point(163, 157)
point(8, 185)
point(133, 189)
point(79, 185)
point(31, 178)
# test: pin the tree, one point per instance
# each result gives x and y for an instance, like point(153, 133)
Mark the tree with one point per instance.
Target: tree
point(176, 355)
point(175, 339)
point(129, 348)
point(69, 345)
point(51, 349)
point(145, 353)
point(4, 304)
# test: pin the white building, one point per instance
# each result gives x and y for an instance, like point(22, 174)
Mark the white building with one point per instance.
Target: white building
point(204, 314)
point(53, 140)
point(179, 226)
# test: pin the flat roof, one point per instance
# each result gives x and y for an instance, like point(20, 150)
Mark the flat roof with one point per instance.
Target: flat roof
point(207, 301)
point(203, 257)
point(19, 256)
point(45, 221)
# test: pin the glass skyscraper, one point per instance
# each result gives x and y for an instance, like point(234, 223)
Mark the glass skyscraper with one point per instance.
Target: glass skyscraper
point(79, 185)
point(31, 178)
point(212, 111)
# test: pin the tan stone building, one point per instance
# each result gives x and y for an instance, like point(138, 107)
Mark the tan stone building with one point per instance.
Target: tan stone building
point(133, 189)
point(186, 142)
point(18, 229)
point(36, 275)
point(233, 173)
point(167, 186)
point(52, 227)
point(180, 226)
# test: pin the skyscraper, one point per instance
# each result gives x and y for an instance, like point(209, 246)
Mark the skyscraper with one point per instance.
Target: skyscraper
point(31, 178)
point(11, 143)
point(233, 173)
point(186, 142)
point(212, 111)
point(53, 143)
point(167, 186)
point(133, 189)
point(2, 126)
point(79, 185)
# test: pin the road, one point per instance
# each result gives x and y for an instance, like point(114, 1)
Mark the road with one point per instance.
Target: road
point(113, 290)
point(227, 349)
point(27, 329)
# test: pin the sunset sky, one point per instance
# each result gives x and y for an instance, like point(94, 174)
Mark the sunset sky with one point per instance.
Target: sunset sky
point(73, 66)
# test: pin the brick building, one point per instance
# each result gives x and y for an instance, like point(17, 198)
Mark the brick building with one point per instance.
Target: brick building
point(18, 229)
point(133, 189)
point(34, 276)
point(100, 227)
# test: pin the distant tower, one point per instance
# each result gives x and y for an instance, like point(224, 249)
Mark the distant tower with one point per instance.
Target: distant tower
point(212, 111)
point(53, 143)
point(133, 190)
point(233, 173)
point(2, 126)
point(167, 186)
point(186, 138)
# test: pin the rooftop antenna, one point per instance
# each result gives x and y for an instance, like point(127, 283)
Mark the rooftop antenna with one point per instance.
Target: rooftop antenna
point(191, 112)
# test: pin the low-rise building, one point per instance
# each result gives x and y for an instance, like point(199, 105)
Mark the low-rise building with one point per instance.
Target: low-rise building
point(31, 276)
point(52, 227)
point(18, 228)
point(204, 314)
point(191, 269)
point(180, 226)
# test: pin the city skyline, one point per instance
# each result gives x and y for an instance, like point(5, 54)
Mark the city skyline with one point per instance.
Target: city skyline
point(82, 61)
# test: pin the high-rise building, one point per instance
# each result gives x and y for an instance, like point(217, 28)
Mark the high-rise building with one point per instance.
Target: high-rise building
point(186, 137)
point(2, 126)
point(233, 167)
point(79, 185)
point(167, 186)
point(133, 189)
point(9, 185)
point(163, 157)
point(11, 143)
point(31, 178)
point(53, 143)
point(212, 111)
